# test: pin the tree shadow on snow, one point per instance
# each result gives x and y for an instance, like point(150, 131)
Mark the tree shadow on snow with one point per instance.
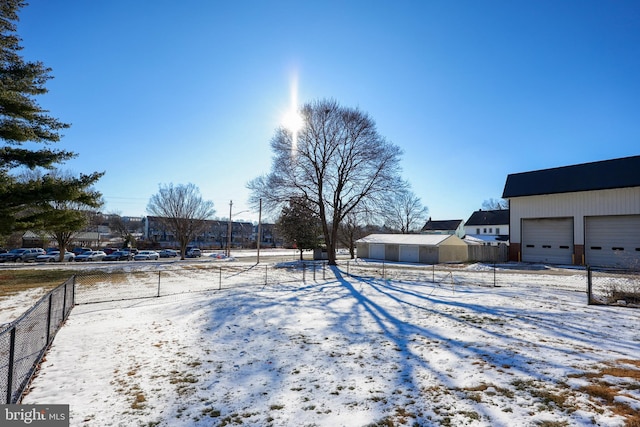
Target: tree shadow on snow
point(266, 342)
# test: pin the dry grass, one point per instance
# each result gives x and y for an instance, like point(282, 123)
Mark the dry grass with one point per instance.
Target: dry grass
point(627, 374)
point(19, 280)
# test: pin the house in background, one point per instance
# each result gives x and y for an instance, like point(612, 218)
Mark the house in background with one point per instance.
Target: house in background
point(581, 214)
point(488, 227)
point(414, 248)
point(452, 227)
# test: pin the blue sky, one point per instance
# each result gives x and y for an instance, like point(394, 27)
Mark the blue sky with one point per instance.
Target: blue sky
point(192, 91)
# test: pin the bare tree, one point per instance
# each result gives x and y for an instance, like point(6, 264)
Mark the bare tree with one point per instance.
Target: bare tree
point(351, 230)
point(404, 211)
point(495, 204)
point(337, 162)
point(122, 229)
point(182, 211)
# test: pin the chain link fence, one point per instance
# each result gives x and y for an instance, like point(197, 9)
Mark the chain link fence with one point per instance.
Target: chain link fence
point(479, 274)
point(620, 288)
point(104, 286)
point(24, 341)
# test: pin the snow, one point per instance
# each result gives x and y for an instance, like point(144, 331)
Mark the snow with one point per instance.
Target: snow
point(15, 305)
point(345, 351)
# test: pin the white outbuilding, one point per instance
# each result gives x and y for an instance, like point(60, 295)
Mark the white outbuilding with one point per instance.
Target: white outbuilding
point(413, 248)
point(580, 214)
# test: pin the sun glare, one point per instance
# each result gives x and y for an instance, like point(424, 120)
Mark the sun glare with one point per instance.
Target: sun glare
point(292, 121)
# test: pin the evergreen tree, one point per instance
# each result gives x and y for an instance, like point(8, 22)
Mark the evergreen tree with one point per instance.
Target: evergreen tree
point(65, 206)
point(23, 121)
point(300, 225)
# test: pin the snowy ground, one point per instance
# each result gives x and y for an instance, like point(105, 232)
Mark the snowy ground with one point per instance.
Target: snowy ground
point(350, 352)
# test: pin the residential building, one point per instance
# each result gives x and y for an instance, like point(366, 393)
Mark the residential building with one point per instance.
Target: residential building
point(490, 227)
point(452, 226)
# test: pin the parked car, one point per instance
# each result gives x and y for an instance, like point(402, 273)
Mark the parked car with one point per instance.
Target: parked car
point(131, 251)
point(109, 251)
point(168, 253)
point(80, 251)
point(194, 253)
point(118, 256)
point(22, 255)
point(146, 255)
point(91, 256)
point(54, 256)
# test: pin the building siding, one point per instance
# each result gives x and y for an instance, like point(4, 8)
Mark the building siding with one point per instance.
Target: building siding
point(622, 201)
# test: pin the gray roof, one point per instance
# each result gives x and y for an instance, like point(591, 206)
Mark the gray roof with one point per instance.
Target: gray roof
point(603, 175)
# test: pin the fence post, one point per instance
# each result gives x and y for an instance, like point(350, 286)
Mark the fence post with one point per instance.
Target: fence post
point(347, 268)
point(158, 284)
point(73, 294)
point(304, 270)
point(314, 272)
point(64, 301)
point(49, 317)
point(266, 274)
point(433, 273)
point(494, 274)
point(220, 278)
point(589, 285)
point(324, 265)
point(12, 355)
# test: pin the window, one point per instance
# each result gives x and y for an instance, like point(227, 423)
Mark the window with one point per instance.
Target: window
point(484, 230)
point(497, 230)
point(477, 231)
point(491, 230)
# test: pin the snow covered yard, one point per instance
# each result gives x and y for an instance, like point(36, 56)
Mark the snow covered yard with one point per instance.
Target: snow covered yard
point(349, 352)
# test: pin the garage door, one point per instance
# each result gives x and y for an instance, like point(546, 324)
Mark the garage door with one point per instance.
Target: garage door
point(376, 251)
point(547, 240)
point(613, 241)
point(409, 253)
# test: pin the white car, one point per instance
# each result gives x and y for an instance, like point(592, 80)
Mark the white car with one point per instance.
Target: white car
point(146, 255)
point(55, 257)
point(194, 253)
point(91, 256)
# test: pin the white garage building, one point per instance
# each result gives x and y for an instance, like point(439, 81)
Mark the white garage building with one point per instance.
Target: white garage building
point(580, 214)
point(414, 248)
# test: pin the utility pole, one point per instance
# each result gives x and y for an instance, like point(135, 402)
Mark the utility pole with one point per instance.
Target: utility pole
point(259, 238)
point(229, 230)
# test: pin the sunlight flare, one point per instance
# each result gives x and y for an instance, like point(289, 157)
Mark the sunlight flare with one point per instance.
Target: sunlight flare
point(292, 120)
